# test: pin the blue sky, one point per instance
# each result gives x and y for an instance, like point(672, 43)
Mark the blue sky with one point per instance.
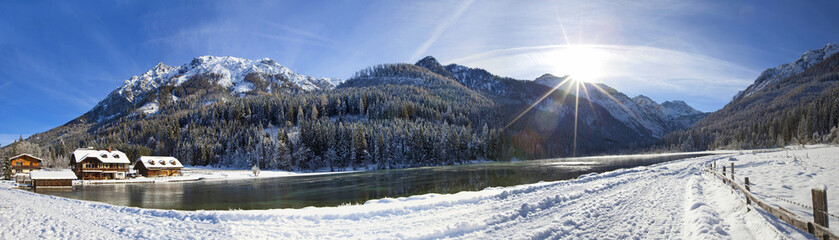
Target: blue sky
point(59, 58)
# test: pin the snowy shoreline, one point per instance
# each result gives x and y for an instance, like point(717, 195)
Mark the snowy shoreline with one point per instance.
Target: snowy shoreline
point(667, 200)
point(206, 173)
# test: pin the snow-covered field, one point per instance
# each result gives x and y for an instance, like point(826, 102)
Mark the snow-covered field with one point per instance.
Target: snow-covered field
point(790, 174)
point(669, 200)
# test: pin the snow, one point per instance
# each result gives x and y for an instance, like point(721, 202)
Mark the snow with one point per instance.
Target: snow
point(673, 200)
point(104, 156)
point(149, 108)
point(151, 162)
point(676, 109)
point(43, 174)
point(790, 174)
point(202, 173)
point(24, 154)
point(231, 69)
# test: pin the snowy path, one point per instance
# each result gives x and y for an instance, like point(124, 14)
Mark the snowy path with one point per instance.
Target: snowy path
point(670, 200)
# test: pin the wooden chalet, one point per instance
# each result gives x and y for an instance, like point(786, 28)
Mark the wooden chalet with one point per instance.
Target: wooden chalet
point(25, 163)
point(155, 166)
point(52, 179)
point(91, 164)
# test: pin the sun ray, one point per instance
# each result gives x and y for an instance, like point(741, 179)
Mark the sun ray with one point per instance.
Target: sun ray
point(588, 97)
point(624, 107)
point(536, 103)
point(576, 114)
point(561, 27)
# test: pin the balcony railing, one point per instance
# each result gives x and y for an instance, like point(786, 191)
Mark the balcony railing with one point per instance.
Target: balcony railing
point(118, 169)
point(26, 167)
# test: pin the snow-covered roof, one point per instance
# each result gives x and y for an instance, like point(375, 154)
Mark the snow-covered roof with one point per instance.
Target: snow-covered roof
point(43, 174)
point(21, 155)
point(152, 162)
point(103, 155)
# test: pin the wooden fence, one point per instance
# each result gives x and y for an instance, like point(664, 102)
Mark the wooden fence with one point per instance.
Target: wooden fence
point(818, 227)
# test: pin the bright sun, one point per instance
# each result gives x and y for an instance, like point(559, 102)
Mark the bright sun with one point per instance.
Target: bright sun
point(581, 62)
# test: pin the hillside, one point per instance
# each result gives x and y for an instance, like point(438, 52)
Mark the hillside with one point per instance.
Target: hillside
point(800, 108)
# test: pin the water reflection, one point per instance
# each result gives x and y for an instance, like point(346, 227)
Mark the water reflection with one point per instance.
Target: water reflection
point(358, 187)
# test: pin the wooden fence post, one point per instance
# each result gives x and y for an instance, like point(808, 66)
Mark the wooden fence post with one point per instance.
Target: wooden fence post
point(748, 200)
point(732, 170)
point(723, 174)
point(820, 206)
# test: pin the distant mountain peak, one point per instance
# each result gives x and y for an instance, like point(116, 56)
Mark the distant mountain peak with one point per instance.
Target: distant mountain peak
point(428, 59)
point(548, 76)
point(772, 75)
point(550, 80)
point(640, 112)
point(227, 72)
point(432, 64)
point(160, 65)
point(644, 100)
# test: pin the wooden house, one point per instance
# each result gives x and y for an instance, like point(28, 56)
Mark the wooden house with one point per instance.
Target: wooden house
point(25, 163)
point(91, 164)
point(52, 179)
point(155, 166)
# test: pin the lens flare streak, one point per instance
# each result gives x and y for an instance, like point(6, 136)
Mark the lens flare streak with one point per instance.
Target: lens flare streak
point(576, 85)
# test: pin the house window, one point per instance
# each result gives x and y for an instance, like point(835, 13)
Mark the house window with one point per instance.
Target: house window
point(19, 164)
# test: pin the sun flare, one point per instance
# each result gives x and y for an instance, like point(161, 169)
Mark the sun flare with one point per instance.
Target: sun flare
point(582, 62)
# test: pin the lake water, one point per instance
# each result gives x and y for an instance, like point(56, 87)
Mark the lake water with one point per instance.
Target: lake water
point(354, 187)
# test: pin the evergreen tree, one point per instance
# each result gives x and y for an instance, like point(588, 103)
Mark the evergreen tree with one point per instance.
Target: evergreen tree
point(7, 167)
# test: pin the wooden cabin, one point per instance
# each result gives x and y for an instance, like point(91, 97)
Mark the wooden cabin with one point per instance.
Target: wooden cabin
point(52, 179)
point(25, 163)
point(91, 164)
point(155, 166)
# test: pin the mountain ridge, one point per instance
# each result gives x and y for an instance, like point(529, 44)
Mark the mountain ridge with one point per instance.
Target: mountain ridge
point(797, 107)
point(772, 75)
point(639, 111)
point(234, 74)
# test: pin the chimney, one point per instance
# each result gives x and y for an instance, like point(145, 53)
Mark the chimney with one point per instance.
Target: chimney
point(109, 149)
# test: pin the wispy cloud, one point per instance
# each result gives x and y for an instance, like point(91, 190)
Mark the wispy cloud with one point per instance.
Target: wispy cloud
point(441, 28)
point(302, 34)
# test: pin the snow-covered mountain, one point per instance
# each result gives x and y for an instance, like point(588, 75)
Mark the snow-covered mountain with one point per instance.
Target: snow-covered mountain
point(640, 112)
point(795, 103)
point(239, 76)
point(771, 75)
point(475, 78)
